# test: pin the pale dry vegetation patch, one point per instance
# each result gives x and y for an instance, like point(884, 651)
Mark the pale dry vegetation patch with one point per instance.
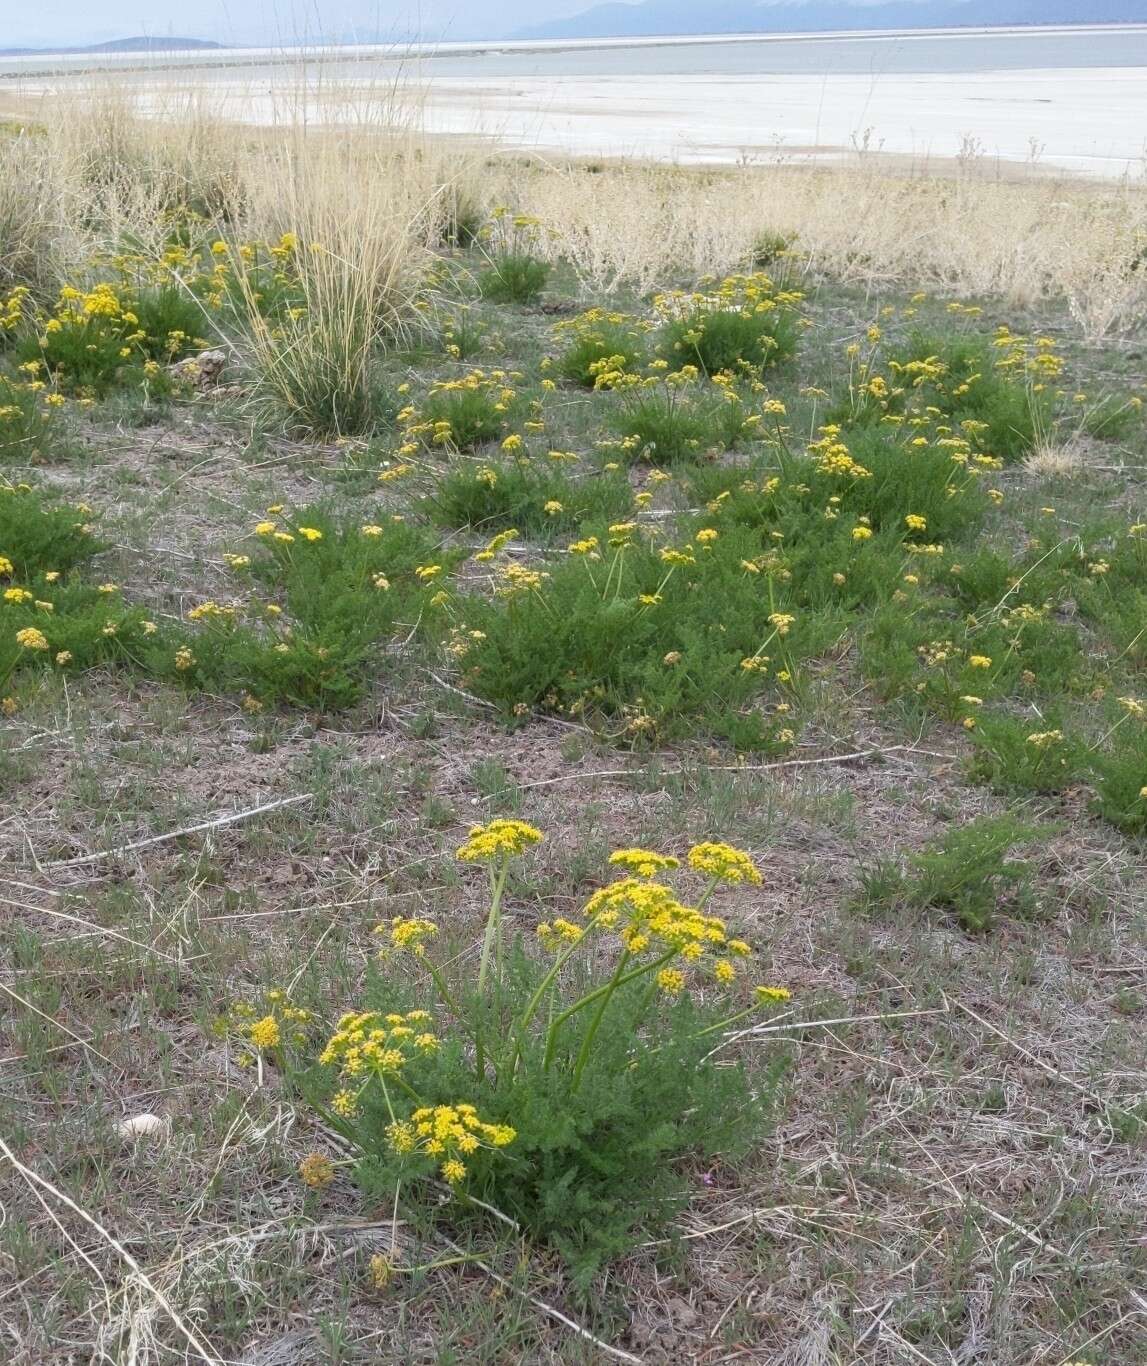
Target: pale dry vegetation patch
point(359, 210)
point(365, 170)
point(1020, 240)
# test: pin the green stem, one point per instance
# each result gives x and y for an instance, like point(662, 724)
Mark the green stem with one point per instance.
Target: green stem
point(1108, 733)
point(707, 893)
point(559, 963)
point(493, 922)
point(729, 1019)
point(523, 1021)
point(590, 997)
point(406, 1086)
point(386, 1097)
point(443, 994)
point(595, 1023)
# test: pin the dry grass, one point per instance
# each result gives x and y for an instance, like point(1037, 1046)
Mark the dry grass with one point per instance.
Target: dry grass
point(34, 232)
point(968, 235)
point(99, 168)
point(365, 204)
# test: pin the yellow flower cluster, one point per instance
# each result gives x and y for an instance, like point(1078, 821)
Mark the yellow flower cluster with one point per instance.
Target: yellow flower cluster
point(368, 1043)
point(648, 917)
point(643, 862)
point(409, 935)
point(498, 839)
point(745, 294)
point(493, 389)
point(450, 1133)
point(270, 1023)
point(724, 863)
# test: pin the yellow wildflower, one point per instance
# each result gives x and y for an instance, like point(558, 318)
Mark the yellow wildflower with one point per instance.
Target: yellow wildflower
point(498, 838)
point(671, 980)
point(316, 1171)
point(265, 1033)
point(643, 862)
point(723, 862)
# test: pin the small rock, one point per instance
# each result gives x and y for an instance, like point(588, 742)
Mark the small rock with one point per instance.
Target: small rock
point(142, 1126)
point(203, 370)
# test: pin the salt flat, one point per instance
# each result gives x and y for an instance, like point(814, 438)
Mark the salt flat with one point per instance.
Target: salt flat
point(1085, 120)
point(1081, 105)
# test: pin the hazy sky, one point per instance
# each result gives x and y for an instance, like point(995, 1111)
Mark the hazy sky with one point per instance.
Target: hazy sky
point(67, 22)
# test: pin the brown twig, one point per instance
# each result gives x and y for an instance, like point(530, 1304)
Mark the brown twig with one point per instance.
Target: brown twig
point(177, 834)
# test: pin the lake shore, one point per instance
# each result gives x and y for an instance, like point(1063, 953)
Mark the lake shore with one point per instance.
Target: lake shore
point(923, 98)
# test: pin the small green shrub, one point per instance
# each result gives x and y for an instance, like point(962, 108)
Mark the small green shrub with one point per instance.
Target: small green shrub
point(1112, 418)
point(335, 591)
point(534, 497)
point(570, 1081)
point(513, 277)
point(645, 642)
point(1019, 755)
point(97, 340)
point(993, 393)
point(1119, 764)
point(39, 536)
point(599, 339)
point(460, 414)
point(462, 217)
point(966, 874)
point(675, 418)
point(50, 618)
point(743, 325)
point(34, 425)
point(462, 337)
point(769, 248)
point(68, 626)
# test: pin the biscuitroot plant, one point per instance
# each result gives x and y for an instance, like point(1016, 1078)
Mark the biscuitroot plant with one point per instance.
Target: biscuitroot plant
point(575, 1077)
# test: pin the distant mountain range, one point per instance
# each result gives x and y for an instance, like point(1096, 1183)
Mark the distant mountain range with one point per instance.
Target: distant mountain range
point(664, 17)
point(117, 45)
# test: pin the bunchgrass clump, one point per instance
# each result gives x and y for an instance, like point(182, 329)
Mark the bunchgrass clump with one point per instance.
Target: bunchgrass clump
point(354, 272)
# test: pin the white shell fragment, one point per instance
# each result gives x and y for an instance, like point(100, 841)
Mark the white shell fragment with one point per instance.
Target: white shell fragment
point(142, 1126)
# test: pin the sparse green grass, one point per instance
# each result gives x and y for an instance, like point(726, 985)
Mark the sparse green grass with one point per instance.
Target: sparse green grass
point(967, 874)
point(513, 277)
